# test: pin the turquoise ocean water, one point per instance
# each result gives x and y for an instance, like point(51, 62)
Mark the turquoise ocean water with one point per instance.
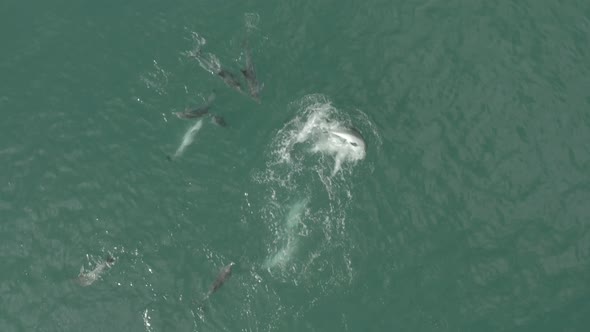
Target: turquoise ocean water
point(468, 209)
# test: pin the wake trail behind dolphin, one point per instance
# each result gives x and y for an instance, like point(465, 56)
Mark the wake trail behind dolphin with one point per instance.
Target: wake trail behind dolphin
point(188, 138)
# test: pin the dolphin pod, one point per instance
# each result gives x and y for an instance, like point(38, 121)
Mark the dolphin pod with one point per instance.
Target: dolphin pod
point(212, 64)
point(348, 135)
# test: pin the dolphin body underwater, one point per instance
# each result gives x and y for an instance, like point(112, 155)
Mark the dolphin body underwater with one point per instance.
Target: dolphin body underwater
point(223, 275)
point(221, 278)
point(197, 112)
point(250, 75)
point(202, 111)
point(216, 69)
point(87, 278)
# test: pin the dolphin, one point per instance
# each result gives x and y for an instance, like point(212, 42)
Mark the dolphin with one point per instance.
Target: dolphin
point(88, 278)
point(250, 75)
point(219, 120)
point(230, 79)
point(187, 139)
point(214, 67)
point(197, 112)
point(351, 135)
point(223, 275)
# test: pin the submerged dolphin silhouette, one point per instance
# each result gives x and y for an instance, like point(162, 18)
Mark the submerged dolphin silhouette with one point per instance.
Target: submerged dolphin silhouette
point(223, 275)
point(87, 278)
point(215, 68)
point(221, 278)
point(230, 79)
point(250, 75)
point(199, 111)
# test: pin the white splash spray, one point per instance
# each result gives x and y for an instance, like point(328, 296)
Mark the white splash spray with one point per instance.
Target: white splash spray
point(319, 127)
point(307, 190)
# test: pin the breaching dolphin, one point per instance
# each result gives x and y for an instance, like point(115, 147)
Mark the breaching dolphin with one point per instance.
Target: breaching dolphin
point(351, 135)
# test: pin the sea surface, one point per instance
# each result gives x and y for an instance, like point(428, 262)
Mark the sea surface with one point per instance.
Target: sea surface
point(458, 201)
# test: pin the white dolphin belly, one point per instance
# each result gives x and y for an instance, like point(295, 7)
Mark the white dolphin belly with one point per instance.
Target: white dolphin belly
point(352, 137)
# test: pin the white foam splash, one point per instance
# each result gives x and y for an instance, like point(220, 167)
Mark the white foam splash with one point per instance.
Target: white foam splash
point(315, 126)
point(308, 243)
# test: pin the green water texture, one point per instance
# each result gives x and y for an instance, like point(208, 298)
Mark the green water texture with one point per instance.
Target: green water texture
point(470, 211)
